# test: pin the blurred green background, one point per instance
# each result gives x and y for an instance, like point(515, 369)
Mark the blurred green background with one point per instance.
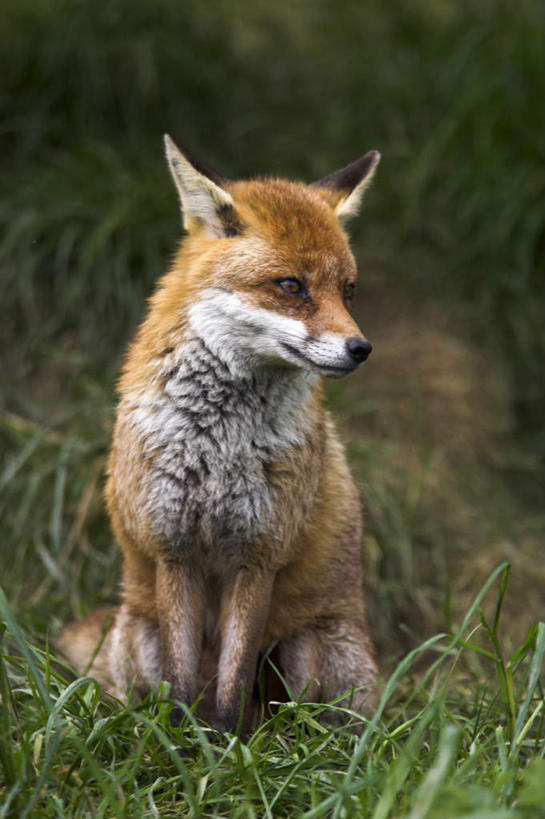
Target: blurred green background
point(444, 425)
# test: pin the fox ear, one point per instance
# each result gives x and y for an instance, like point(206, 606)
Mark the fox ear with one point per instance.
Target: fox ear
point(345, 188)
point(204, 202)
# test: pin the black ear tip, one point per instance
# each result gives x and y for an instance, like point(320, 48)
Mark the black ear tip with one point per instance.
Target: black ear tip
point(368, 162)
point(349, 177)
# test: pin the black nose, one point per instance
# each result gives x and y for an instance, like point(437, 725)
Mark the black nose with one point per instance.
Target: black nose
point(359, 348)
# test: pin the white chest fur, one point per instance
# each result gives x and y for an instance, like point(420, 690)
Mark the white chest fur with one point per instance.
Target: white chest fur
point(209, 439)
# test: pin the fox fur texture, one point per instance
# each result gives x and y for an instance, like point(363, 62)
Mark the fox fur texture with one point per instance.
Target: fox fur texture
point(228, 489)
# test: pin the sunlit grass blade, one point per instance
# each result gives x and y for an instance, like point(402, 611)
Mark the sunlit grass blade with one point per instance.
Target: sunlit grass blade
point(437, 774)
point(537, 669)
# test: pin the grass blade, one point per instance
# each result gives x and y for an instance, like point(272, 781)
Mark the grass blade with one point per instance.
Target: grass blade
point(7, 616)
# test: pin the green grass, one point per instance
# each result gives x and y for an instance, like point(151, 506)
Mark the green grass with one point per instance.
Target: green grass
point(464, 738)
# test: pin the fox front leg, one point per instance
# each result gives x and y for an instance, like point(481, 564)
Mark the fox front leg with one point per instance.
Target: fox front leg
point(180, 606)
point(244, 611)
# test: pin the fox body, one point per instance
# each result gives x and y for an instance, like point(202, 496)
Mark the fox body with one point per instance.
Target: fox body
point(228, 489)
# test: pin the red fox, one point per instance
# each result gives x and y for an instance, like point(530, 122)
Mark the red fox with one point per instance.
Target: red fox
point(228, 489)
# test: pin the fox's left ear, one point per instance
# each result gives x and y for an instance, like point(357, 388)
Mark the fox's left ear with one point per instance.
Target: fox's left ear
point(344, 189)
point(204, 201)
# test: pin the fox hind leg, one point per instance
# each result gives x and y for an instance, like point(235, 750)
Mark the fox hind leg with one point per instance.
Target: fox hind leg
point(122, 651)
point(133, 647)
point(329, 658)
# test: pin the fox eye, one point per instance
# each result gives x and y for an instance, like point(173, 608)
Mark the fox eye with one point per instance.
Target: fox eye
point(291, 286)
point(349, 293)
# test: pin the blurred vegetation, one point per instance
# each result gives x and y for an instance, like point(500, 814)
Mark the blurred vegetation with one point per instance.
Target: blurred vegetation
point(449, 92)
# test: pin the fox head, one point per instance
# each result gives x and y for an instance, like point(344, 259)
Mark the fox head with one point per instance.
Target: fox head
point(272, 280)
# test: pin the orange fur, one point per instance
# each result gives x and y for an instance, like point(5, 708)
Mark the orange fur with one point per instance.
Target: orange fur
point(208, 603)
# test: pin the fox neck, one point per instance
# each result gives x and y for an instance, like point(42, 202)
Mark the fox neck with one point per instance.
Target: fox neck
point(212, 437)
point(233, 383)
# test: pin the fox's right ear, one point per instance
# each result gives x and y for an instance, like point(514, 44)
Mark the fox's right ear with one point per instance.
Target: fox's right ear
point(204, 202)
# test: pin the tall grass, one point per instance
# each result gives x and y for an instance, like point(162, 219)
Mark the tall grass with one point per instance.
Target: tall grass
point(431, 750)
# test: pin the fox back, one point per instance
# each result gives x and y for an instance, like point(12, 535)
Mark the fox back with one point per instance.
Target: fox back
point(228, 489)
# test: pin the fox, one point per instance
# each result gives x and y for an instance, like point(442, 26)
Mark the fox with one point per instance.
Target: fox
point(228, 488)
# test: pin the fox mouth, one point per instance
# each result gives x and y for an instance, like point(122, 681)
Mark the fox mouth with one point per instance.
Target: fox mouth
point(328, 369)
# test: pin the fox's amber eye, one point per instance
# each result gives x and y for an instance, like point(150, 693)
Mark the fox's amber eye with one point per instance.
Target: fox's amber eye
point(349, 292)
point(291, 286)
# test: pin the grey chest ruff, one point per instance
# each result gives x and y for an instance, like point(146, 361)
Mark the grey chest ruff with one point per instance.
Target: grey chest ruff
point(211, 439)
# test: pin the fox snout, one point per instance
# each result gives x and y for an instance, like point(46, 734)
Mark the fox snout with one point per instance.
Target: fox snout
point(332, 354)
point(359, 349)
